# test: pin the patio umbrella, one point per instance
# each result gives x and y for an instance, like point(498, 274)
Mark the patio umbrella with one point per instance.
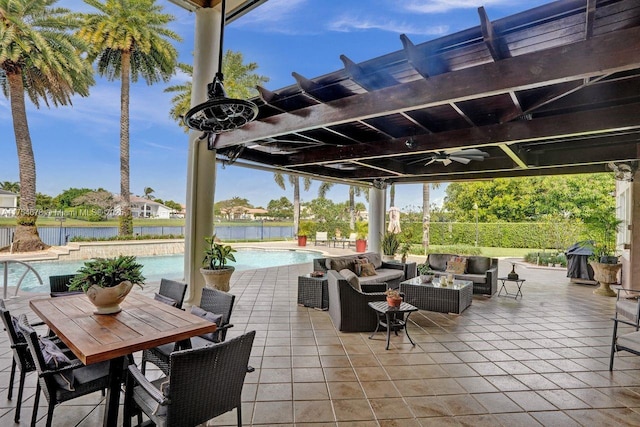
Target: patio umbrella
point(394, 220)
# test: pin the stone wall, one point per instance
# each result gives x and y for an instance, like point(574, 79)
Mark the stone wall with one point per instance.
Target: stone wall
point(88, 250)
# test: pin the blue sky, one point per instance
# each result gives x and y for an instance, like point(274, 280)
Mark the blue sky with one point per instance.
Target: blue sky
point(78, 146)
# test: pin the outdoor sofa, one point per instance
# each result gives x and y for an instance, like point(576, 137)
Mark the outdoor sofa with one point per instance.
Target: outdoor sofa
point(481, 270)
point(391, 273)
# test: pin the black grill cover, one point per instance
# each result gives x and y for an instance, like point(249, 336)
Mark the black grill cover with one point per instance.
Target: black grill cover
point(578, 260)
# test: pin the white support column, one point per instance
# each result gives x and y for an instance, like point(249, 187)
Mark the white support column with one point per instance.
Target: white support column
point(377, 202)
point(201, 166)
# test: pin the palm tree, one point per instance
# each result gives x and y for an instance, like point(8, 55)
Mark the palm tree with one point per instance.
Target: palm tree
point(11, 186)
point(239, 82)
point(148, 191)
point(129, 40)
point(294, 180)
point(39, 56)
point(426, 212)
point(353, 192)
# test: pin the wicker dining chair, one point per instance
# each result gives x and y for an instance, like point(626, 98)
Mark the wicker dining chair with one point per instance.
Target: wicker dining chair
point(63, 383)
point(59, 285)
point(213, 301)
point(173, 290)
point(202, 384)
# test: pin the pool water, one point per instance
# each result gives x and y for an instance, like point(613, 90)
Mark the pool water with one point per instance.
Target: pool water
point(156, 267)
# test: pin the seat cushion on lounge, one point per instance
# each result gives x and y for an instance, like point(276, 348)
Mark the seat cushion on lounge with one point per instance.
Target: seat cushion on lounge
point(475, 278)
point(374, 258)
point(438, 262)
point(350, 277)
point(631, 341)
point(383, 275)
point(340, 263)
point(478, 264)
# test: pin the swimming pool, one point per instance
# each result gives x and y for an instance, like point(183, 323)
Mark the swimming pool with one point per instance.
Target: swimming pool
point(157, 267)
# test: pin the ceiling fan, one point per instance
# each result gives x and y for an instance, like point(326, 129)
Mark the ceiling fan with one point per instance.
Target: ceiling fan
point(460, 156)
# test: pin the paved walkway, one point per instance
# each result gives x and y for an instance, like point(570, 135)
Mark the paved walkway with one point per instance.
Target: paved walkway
point(539, 360)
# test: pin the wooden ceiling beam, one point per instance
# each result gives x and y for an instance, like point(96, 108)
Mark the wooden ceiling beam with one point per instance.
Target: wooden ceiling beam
point(581, 123)
point(496, 45)
point(590, 19)
point(368, 81)
point(606, 54)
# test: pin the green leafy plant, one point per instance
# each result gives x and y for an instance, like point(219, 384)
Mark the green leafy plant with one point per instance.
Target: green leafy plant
point(390, 243)
point(362, 230)
point(217, 254)
point(305, 228)
point(423, 269)
point(108, 272)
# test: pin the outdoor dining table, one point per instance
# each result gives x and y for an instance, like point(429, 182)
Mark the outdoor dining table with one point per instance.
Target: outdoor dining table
point(143, 323)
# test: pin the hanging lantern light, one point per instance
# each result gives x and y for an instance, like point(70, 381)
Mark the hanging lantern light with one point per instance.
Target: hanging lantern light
point(220, 113)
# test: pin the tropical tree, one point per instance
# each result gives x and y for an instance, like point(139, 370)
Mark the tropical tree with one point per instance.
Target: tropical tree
point(354, 191)
point(294, 180)
point(39, 56)
point(130, 40)
point(148, 191)
point(11, 186)
point(240, 81)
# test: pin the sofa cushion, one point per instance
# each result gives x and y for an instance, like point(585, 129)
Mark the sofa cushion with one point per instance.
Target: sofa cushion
point(367, 270)
point(373, 258)
point(383, 275)
point(438, 262)
point(475, 278)
point(357, 264)
point(340, 263)
point(457, 265)
point(478, 264)
point(350, 277)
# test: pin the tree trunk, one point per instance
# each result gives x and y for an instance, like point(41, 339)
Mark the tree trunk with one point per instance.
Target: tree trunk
point(352, 208)
point(126, 220)
point(392, 195)
point(426, 215)
point(26, 238)
point(296, 203)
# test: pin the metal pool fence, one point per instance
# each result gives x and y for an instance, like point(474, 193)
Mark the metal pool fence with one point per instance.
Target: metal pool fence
point(60, 235)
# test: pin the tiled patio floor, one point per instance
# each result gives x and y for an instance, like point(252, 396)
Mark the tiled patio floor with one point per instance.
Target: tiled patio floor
point(540, 360)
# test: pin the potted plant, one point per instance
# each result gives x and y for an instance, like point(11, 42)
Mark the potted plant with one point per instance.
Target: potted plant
point(304, 231)
point(107, 281)
point(215, 270)
point(362, 230)
point(389, 245)
point(405, 248)
point(393, 297)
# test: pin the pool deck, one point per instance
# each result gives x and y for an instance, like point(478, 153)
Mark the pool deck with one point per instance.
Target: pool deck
point(539, 360)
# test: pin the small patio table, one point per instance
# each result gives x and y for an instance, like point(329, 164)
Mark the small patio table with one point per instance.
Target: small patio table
point(392, 318)
point(518, 283)
point(143, 323)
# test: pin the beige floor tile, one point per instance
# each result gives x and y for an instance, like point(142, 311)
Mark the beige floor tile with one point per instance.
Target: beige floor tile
point(353, 410)
point(345, 390)
point(313, 411)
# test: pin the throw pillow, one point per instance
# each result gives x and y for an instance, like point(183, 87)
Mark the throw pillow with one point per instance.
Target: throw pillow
point(456, 265)
point(368, 270)
point(350, 277)
point(211, 317)
point(357, 265)
point(54, 358)
point(166, 300)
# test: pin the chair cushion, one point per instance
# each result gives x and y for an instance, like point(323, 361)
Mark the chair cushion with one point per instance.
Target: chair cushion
point(438, 262)
point(211, 317)
point(627, 308)
point(166, 300)
point(478, 264)
point(54, 358)
point(350, 277)
point(630, 341)
point(383, 275)
point(357, 264)
point(367, 270)
point(374, 258)
point(18, 329)
point(340, 263)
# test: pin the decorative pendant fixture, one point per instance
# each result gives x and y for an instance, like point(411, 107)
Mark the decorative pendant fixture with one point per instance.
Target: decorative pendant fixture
point(219, 113)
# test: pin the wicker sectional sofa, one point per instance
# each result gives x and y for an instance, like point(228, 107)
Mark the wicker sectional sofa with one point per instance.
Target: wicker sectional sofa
point(386, 272)
point(481, 270)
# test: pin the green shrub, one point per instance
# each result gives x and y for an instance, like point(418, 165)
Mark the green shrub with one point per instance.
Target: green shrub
point(546, 258)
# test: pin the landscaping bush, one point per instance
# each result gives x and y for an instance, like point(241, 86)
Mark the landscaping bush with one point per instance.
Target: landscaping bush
point(546, 258)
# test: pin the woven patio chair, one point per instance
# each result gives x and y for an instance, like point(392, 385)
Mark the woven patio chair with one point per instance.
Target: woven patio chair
point(202, 384)
point(173, 290)
point(627, 313)
point(65, 382)
point(59, 285)
point(213, 301)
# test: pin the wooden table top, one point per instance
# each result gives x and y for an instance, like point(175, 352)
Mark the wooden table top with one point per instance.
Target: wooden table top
point(143, 323)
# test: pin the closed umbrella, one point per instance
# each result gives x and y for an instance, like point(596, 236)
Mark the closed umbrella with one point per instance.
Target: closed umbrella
point(394, 220)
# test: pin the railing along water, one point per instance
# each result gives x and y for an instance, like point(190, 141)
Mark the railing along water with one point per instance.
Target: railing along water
point(5, 265)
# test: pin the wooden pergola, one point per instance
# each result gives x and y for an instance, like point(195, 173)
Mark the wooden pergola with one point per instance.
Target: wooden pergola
point(552, 90)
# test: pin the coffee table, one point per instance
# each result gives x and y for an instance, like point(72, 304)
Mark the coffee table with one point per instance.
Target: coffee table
point(434, 296)
point(392, 318)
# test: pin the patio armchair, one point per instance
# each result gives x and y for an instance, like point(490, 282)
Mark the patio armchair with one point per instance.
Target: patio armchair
point(348, 307)
point(321, 237)
point(172, 292)
point(202, 384)
point(61, 380)
point(627, 313)
point(213, 301)
point(59, 285)
point(351, 240)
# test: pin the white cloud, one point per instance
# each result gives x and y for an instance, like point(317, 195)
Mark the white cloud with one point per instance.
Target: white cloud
point(441, 6)
point(271, 12)
point(348, 23)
